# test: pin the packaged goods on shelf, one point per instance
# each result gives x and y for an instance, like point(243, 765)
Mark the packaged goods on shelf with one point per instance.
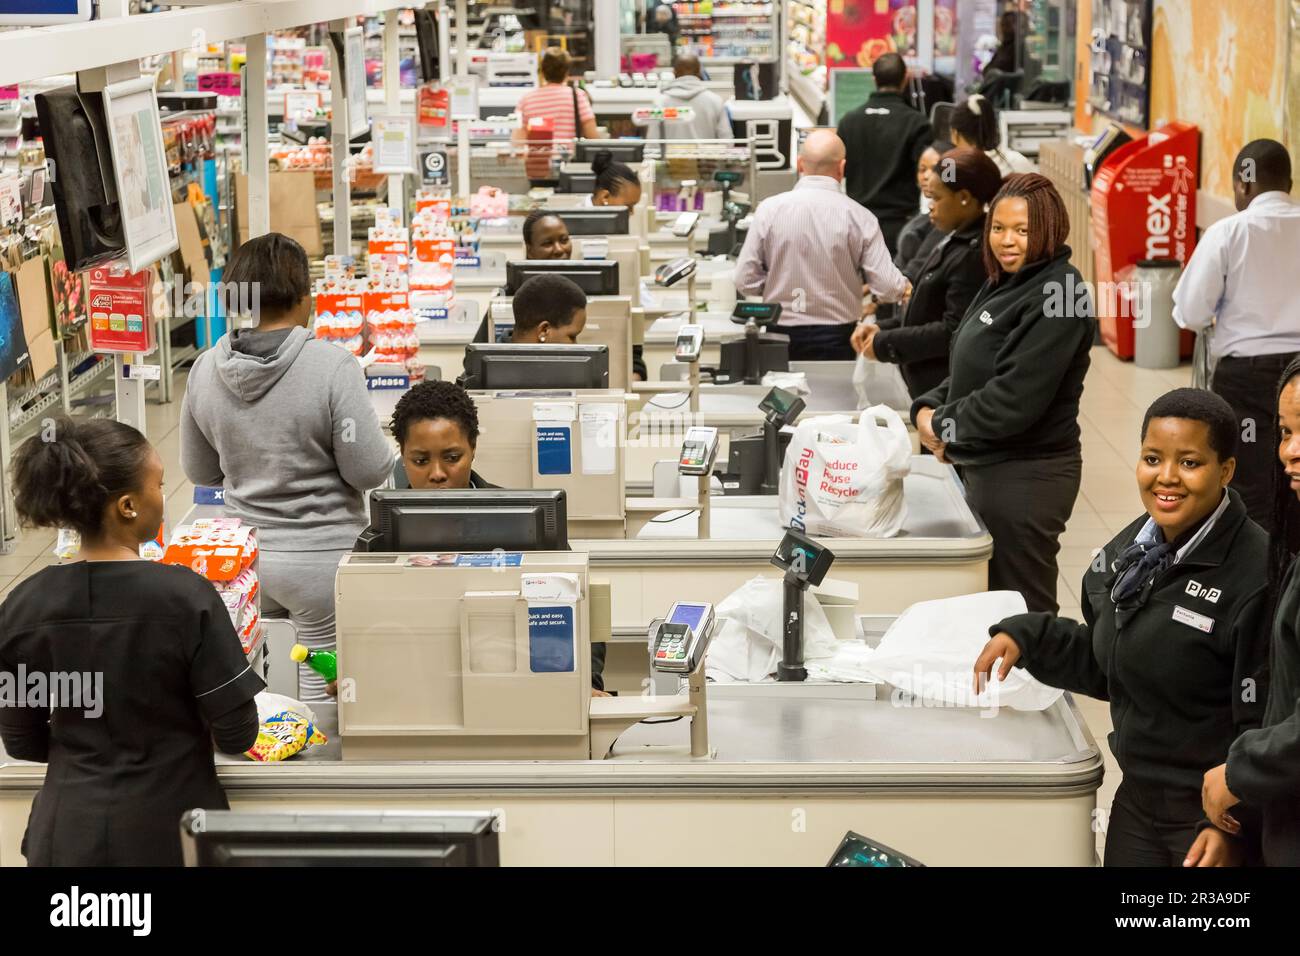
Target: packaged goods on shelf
point(224, 551)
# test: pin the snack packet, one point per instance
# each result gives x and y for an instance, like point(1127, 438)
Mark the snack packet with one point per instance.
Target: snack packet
point(282, 735)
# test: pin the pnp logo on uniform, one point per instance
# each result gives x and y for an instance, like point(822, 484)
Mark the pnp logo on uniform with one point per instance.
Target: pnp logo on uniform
point(986, 318)
point(1195, 589)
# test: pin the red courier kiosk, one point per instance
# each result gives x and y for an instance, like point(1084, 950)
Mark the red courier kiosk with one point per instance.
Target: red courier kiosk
point(1143, 207)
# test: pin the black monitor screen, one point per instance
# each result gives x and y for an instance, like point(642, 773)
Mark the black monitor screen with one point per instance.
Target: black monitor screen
point(466, 520)
point(536, 366)
point(579, 181)
point(622, 150)
point(241, 838)
point(594, 221)
point(592, 276)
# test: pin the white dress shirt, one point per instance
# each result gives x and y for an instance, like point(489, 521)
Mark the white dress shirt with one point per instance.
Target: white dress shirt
point(810, 249)
point(1244, 272)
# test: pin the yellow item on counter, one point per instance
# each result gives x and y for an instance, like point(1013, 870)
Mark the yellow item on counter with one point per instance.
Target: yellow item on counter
point(282, 735)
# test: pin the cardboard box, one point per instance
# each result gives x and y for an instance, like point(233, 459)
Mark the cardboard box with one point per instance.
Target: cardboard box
point(293, 207)
point(192, 255)
point(33, 291)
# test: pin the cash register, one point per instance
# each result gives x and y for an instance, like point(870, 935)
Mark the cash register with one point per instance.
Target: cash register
point(754, 461)
point(748, 357)
point(464, 633)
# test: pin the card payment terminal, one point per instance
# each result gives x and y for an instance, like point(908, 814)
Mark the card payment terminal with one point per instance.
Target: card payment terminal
point(699, 451)
point(683, 637)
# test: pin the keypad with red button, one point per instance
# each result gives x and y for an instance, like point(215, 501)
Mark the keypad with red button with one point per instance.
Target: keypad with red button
point(673, 649)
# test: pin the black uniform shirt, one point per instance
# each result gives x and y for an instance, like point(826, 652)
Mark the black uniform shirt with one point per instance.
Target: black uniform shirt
point(171, 665)
point(1264, 765)
point(1016, 368)
point(943, 288)
point(884, 139)
point(1185, 673)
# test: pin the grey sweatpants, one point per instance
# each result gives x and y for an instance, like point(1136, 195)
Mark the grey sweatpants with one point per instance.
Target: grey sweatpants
point(299, 585)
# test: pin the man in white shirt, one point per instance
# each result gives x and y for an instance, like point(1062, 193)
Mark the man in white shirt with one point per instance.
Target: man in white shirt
point(1241, 280)
point(811, 249)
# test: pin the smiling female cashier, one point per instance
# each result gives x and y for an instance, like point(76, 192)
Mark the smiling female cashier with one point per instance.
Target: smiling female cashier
point(1174, 636)
point(436, 427)
point(147, 666)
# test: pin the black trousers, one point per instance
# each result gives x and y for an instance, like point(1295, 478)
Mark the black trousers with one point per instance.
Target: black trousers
point(1025, 505)
point(1151, 827)
point(1249, 385)
point(819, 343)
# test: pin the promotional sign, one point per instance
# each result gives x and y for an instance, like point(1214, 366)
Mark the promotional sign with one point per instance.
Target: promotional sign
point(300, 103)
point(1143, 207)
point(394, 141)
point(120, 319)
point(858, 32)
point(223, 84)
point(434, 170)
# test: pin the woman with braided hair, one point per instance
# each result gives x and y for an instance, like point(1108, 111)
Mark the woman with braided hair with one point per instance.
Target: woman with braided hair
point(1007, 415)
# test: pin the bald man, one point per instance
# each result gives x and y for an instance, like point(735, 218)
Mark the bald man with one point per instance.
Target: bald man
point(709, 119)
point(811, 249)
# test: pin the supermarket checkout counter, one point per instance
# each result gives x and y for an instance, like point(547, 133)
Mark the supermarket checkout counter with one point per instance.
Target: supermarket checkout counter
point(928, 780)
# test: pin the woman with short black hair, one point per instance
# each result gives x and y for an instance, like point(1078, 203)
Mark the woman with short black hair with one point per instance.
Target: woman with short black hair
point(161, 669)
point(546, 236)
point(1174, 636)
point(1008, 413)
point(285, 424)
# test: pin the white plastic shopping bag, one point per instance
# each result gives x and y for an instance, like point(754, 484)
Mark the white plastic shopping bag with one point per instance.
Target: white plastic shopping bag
point(931, 649)
point(842, 479)
point(880, 383)
point(747, 644)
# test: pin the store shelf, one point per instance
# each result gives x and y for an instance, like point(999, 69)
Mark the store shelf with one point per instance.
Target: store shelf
point(30, 54)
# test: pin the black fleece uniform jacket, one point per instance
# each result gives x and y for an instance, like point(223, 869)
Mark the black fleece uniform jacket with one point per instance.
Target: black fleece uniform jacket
point(1185, 671)
point(1264, 765)
point(1018, 360)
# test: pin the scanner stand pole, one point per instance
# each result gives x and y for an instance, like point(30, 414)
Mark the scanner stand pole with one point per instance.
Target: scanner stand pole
point(791, 666)
point(697, 688)
point(753, 371)
point(771, 459)
point(704, 530)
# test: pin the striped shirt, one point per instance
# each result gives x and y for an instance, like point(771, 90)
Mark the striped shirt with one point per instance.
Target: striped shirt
point(555, 101)
point(810, 249)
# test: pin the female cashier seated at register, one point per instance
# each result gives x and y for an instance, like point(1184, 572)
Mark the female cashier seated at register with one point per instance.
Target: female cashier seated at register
point(1174, 636)
point(134, 752)
point(436, 427)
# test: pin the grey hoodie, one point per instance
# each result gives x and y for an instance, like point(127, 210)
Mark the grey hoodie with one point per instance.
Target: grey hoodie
point(293, 439)
point(710, 120)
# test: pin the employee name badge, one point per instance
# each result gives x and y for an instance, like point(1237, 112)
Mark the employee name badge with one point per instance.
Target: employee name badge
point(554, 436)
point(552, 621)
point(1192, 619)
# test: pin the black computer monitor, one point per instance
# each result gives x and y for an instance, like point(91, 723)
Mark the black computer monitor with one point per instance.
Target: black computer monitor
point(622, 150)
point(466, 520)
point(592, 276)
point(576, 181)
point(240, 838)
point(489, 365)
point(594, 220)
point(426, 38)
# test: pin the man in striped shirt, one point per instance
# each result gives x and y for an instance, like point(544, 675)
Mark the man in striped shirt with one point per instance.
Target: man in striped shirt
point(811, 249)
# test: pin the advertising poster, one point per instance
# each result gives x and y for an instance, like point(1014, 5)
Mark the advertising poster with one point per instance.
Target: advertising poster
point(859, 31)
point(13, 342)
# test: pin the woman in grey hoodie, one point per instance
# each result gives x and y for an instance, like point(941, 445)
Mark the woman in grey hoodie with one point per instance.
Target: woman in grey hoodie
point(284, 424)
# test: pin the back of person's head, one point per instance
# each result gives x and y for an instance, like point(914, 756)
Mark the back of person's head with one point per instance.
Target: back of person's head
point(890, 71)
point(430, 401)
point(1049, 222)
point(941, 146)
point(1265, 165)
point(971, 170)
point(822, 154)
point(67, 475)
point(547, 298)
point(686, 64)
point(976, 121)
point(1008, 26)
point(1198, 405)
point(274, 269)
point(555, 65)
point(611, 174)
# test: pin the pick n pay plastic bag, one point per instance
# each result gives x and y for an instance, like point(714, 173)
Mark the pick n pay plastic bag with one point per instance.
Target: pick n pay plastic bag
point(845, 480)
point(930, 652)
point(747, 645)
